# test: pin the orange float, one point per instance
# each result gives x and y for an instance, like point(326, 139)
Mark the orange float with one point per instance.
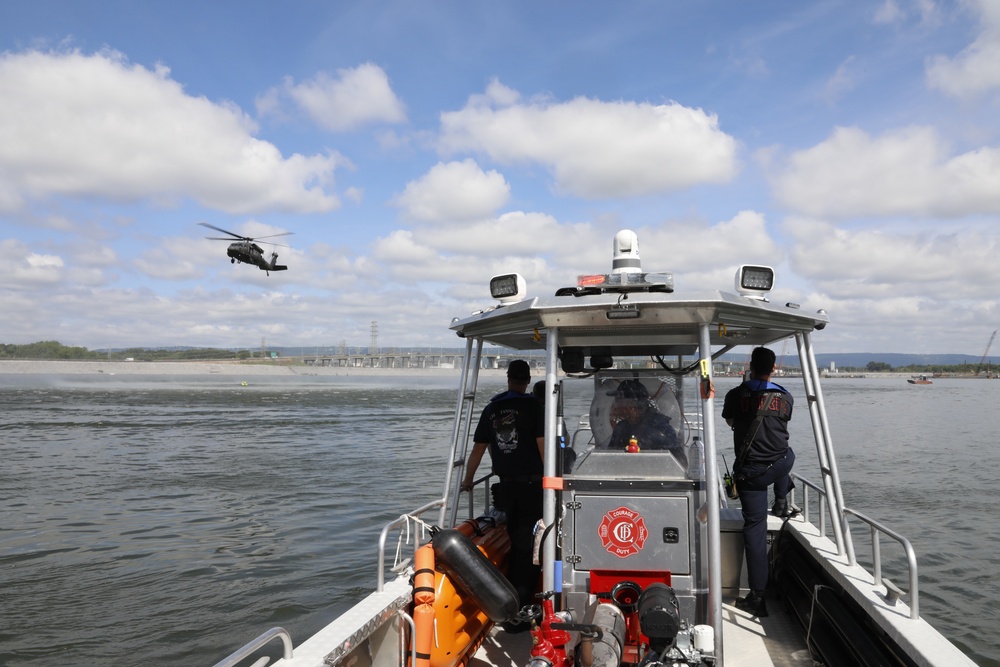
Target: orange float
point(459, 624)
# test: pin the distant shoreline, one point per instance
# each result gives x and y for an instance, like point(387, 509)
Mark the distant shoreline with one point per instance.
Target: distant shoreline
point(18, 367)
point(257, 368)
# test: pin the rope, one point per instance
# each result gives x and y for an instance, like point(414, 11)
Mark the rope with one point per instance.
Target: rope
point(411, 524)
point(812, 615)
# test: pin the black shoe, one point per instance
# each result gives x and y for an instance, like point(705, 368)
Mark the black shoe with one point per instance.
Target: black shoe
point(753, 604)
point(513, 628)
point(780, 508)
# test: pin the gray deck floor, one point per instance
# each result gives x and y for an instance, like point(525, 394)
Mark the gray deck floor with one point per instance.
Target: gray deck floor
point(774, 640)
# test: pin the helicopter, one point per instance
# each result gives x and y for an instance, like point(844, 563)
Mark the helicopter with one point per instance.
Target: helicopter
point(244, 250)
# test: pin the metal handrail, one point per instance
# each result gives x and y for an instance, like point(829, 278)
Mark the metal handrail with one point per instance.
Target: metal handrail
point(806, 484)
point(876, 528)
point(255, 644)
point(398, 523)
point(413, 640)
point(486, 484)
point(911, 558)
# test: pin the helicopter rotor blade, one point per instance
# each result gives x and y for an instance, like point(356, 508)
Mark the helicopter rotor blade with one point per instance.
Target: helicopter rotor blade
point(271, 236)
point(242, 238)
point(224, 231)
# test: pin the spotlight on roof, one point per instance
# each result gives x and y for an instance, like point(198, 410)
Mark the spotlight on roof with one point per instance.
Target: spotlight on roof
point(754, 281)
point(508, 288)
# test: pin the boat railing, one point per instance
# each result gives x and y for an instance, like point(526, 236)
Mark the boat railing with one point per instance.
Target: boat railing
point(892, 592)
point(806, 486)
point(408, 521)
point(485, 483)
point(256, 644)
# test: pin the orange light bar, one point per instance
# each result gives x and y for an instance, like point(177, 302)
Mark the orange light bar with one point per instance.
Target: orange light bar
point(590, 281)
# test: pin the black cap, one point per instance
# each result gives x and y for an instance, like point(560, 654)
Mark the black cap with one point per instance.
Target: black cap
point(633, 389)
point(519, 370)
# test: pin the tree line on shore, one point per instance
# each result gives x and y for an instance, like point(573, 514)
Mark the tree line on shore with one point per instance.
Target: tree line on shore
point(924, 369)
point(56, 351)
point(50, 350)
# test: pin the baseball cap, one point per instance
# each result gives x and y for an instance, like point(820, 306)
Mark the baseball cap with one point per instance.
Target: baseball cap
point(519, 370)
point(633, 389)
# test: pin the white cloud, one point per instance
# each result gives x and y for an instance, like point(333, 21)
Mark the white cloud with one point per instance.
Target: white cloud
point(743, 239)
point(595, 149)
point(913, 290)
point(95, 126)
point(26, 269)
point(841, 82)
point(454, 192)
point(952, 265)
point(512, 234)
point(470, 254)
point(889, 12)
point(550, 254)
point(354, 98)
point(902, 172)
point(892, 12)
point(976, 69)
point(400, 248)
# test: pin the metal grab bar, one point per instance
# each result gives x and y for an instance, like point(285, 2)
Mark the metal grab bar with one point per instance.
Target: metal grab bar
point(485, 483)
point(806, 484)
point(253, 645)
point(911, 558)
point(876, 528)
point(401, 521)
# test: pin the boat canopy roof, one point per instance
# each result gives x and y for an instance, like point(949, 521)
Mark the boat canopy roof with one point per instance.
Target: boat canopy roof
point(639, 322)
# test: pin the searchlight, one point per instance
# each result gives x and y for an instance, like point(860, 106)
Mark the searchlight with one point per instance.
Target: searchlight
point(508, 288)
point(754, 281)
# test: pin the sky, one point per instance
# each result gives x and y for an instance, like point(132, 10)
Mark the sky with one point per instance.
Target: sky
point(415, 149)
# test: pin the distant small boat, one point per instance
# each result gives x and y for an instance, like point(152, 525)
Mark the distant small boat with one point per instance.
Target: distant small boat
point(919, 379)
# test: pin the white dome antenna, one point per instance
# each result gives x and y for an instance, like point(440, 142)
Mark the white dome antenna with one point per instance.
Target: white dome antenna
point(626, 248)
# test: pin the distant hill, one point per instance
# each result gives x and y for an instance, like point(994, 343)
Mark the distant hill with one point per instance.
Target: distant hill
point(862, 359)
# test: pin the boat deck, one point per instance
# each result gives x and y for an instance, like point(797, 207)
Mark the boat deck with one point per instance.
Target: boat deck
point(750, 642)
point(774, 640)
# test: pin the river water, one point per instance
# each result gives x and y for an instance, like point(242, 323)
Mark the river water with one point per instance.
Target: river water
point(169, 520)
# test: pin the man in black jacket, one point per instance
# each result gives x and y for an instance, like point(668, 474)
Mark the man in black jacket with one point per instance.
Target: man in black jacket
point(758, 412)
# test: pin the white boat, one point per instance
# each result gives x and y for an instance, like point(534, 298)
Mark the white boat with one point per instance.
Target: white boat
point(642, 558)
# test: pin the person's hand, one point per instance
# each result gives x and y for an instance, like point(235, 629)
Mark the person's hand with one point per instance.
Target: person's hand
point(466, 486)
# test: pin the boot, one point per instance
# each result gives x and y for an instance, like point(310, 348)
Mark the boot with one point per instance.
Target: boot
point(780, 507)
point(753, 604)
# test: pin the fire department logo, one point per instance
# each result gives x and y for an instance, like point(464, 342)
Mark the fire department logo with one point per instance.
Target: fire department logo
point(623, 532)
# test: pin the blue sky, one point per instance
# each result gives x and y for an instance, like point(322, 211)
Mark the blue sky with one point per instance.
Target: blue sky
point(417, 148)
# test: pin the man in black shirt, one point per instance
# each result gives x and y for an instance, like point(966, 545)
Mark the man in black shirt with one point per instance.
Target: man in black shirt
point(641, 422)
point(512, 428)
point(759, 411)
